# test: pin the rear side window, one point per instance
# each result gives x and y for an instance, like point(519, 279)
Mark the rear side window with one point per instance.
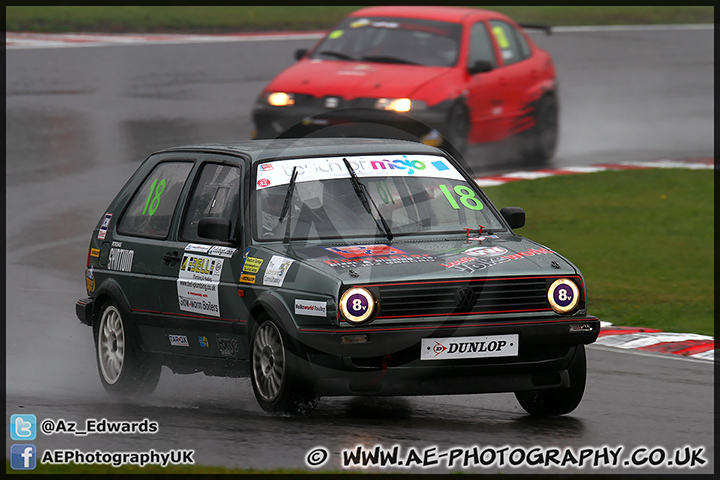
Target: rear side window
point(151, 209)
point(507, 39)
point(216, 194)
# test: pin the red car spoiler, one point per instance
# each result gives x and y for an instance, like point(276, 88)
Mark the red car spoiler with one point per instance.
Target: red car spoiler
point(546, 28)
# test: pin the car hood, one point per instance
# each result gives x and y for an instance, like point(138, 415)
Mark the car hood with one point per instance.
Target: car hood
point(351, 80)
point(493, 256)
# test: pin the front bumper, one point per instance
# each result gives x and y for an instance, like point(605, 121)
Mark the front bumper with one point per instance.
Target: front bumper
point(388, 363)
point(298, 121)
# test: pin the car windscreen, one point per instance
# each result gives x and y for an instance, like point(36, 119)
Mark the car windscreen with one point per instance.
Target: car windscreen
point(393, 195)
point(392, 40)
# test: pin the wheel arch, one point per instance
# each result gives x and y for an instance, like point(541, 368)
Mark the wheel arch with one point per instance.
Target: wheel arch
point(275, 307)
point(110, 291)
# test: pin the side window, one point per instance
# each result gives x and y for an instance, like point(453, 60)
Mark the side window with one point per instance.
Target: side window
point(151, 209)
point(216, 194)
point(480, 45)
point(506, 38)
point(524, 47)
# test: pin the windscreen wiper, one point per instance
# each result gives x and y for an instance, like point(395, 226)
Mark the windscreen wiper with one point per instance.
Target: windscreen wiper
point(340, 55)
point(286, 210)
point(387, 59)
point(361, 192)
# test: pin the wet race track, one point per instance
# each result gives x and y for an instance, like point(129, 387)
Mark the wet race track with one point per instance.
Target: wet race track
point(80, 120)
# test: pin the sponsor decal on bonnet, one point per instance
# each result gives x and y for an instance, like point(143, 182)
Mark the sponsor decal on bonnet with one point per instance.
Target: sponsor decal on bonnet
point(276, 271)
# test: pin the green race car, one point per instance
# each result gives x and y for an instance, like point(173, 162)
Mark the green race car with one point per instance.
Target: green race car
point(330, 267)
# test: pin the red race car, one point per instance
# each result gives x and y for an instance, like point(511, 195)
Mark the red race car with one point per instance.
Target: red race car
point(448, 76)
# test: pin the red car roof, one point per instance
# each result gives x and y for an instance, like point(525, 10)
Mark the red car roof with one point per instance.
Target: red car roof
point(446, 14)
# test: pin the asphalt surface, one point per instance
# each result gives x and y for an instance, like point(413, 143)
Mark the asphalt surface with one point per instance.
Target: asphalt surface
point(79, 121)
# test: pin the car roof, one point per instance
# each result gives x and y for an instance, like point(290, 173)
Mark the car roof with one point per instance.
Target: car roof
point(445, 14)
point(260, 150)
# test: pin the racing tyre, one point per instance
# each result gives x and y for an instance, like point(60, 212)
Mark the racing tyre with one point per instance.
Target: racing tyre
point(276, 383)
point(124, 369)
point(458, 129)
point(558, 401)
point(541, 140)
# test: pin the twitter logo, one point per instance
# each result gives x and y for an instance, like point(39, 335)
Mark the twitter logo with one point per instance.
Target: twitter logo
point(23, 427)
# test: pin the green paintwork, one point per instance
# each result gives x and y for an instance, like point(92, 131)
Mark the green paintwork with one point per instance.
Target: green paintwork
point(198, 300)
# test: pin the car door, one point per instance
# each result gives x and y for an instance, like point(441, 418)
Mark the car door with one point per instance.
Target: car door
point(133, 252)
point(203, 297)
point(519, 75)
point(486, 91)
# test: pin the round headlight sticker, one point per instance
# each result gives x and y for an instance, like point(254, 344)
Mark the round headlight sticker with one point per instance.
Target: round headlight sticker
point(563, 295)
point(357, 305)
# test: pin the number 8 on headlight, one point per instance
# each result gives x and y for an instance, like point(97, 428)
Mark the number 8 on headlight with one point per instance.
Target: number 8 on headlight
point(563, 295)
point(357, 305)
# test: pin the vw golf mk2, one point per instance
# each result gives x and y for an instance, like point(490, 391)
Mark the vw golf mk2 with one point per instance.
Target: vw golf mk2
point(322, 267)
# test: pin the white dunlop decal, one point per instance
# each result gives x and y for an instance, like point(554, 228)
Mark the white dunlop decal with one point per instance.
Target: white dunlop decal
point(276, 270)
point(310, 307)
point(120, 259)
point(469, 347)
point(197, 284)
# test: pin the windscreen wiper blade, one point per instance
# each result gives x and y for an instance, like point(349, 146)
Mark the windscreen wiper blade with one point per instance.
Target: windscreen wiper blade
point(286, 210)
point(340, 55)
point(366, 199)
point(387, 59)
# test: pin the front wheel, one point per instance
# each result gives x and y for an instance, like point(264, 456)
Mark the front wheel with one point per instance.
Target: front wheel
point(558, 401)
point(458, 129)
point(540, 142)
point(124, 370)
point(277, 386)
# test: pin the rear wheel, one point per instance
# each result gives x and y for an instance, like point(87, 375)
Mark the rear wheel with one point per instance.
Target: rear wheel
point(540, 142)
point(276, 383)
point(558, 401)
point(124, 369)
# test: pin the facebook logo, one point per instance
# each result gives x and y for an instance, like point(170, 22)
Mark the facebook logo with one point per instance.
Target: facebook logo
point(23, 427)
point(22, 457)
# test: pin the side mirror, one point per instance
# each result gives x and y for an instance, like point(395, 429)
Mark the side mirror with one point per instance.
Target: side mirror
point(481, 66)
point(214, 228)
point(514, 216)
point(300, 53)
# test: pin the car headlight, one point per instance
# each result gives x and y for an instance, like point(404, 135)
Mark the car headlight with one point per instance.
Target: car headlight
point(563, 295)
point(357, 306)
point(401, 105)
point(281, 99)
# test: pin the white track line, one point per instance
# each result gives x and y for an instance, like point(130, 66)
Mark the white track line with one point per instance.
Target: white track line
point(23, 40)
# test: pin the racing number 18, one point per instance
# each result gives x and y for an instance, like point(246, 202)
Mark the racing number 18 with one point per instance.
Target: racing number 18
point(153, 202)
point(467, 197)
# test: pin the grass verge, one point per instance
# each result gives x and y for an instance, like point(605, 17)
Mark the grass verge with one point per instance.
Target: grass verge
point(145, 19)
point(644, 240)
